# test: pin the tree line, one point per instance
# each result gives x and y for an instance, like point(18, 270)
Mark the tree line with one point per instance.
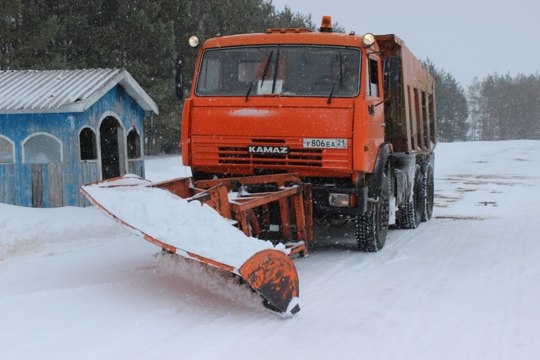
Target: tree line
point(505, 107)
point(143, 36)
point(146, 36)
point(451, 104)
point(498, 107)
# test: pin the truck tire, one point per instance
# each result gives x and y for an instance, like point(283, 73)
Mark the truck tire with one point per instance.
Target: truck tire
point(372, 226)
point(409, 216)
point(428, 192)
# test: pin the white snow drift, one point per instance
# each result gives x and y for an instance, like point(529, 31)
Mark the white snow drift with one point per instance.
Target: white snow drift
point(466, 285)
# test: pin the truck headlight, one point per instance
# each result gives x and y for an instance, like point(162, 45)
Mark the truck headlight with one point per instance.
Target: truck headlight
point(339, 200)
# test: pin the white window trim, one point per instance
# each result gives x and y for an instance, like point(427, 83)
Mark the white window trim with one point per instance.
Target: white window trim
point(46, 134)
point(12, 149)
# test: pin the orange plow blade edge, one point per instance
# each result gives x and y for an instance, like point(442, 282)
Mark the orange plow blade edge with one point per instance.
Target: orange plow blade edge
point(268, 271)
point(273, 276)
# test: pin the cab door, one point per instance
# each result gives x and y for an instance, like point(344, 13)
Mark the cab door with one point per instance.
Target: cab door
point(369, 117)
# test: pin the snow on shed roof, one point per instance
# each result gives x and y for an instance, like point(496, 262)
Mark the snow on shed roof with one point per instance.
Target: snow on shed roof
point(46, 91)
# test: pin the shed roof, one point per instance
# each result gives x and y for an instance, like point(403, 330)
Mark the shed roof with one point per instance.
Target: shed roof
point(46, 91)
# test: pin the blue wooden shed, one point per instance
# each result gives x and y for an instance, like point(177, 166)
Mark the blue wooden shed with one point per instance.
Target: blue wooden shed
point(63, 129)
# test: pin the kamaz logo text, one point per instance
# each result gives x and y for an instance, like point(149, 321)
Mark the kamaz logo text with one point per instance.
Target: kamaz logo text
point(268, 149)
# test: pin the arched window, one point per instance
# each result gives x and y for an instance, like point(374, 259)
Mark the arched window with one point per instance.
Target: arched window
point(87, 144)
point(134, 144)
point(42, 148)
point(6, 151)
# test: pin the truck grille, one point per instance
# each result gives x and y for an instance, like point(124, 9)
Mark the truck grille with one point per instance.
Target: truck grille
point(295, 157)
point(209, 151)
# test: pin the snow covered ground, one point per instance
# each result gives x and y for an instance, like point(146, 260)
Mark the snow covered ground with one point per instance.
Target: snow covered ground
point(466, 285)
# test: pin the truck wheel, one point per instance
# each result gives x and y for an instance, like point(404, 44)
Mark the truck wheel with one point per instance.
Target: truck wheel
point(409, 216)
point(428, 192)
point(372, 226)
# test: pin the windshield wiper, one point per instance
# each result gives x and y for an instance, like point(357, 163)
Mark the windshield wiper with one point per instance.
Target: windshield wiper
point(265, 72)
point(340, 80)
point(331, 94)
point(340, 70)
point(266, 67)
point(249, 90)
point(275, 71)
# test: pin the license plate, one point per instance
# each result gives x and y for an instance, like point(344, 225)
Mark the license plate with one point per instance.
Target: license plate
point(325, 143)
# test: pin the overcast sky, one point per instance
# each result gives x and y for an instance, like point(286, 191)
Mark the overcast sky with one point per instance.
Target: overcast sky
point(469, 39)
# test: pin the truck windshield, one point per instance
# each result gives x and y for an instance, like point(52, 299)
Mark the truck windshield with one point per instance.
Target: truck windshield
point(285, 70)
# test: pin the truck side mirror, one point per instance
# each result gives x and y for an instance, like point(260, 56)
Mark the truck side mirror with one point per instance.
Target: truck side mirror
point(371, 108)
point(179, 77)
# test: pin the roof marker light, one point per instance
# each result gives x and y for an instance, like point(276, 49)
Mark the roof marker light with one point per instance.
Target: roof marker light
point(194, 41)
point(326, 24)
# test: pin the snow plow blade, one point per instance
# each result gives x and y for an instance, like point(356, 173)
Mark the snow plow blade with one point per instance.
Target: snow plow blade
point(273, 276)
point(173, 215)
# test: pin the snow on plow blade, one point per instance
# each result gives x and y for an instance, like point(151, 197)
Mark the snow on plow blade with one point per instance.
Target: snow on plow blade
point(169, 214)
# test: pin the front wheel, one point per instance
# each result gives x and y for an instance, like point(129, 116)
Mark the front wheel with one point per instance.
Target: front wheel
point(372, 226)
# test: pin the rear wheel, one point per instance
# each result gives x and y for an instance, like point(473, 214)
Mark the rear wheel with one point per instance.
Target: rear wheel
point(372, 226)
point(409, 216)
point(428, 192)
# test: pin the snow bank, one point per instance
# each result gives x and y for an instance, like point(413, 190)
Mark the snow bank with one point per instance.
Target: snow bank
point(26, 230)
point(465, 285)
point(165, 168)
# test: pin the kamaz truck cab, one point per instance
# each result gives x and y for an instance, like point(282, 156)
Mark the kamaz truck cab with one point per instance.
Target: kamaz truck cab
point(351, 114)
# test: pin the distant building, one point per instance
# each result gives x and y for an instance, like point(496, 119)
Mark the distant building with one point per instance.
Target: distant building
point(63, 129)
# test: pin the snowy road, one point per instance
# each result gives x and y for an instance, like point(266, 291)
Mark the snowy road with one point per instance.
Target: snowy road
point(466, 285)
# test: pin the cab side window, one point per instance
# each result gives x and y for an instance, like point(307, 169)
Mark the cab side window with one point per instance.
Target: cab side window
point(372, 78)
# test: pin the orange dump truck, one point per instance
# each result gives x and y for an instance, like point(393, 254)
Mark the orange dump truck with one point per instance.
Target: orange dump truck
point(353, 115)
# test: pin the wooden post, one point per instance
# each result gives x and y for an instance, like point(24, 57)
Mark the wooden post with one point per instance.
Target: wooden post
point(37, 186)
point(308, 211)
point(285, 222)
point(255, 227)
point(242, 222)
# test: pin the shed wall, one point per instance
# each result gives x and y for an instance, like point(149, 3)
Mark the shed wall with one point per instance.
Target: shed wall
point(52, 185)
